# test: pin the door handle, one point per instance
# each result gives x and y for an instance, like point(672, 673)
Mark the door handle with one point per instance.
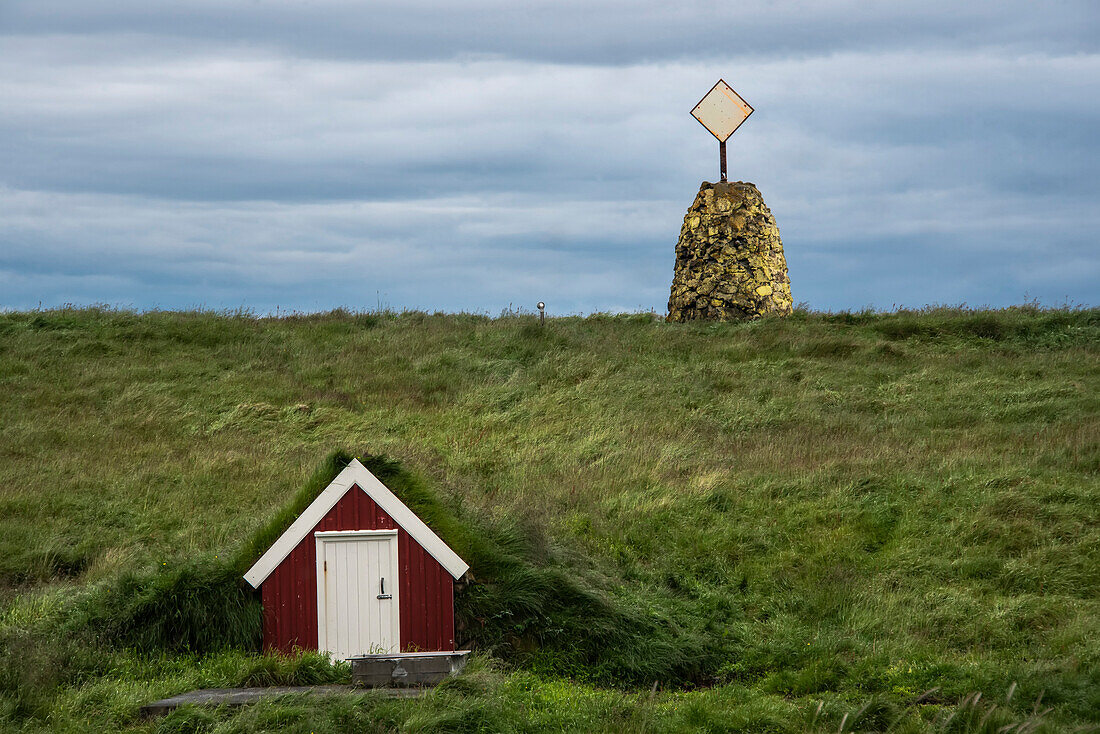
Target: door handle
point(382, 590)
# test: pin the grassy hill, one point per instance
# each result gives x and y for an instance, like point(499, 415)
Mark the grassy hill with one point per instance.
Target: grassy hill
point(830, 522)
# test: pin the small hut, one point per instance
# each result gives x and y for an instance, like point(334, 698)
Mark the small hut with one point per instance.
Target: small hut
point(358, 573)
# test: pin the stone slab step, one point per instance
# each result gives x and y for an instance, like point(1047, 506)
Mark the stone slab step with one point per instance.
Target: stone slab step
point(241, 696)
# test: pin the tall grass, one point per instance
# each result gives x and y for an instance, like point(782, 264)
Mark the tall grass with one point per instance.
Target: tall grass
point(198, 607)
point(845, 507)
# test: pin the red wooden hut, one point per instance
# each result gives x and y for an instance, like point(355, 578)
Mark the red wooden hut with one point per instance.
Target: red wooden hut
point(358, 573)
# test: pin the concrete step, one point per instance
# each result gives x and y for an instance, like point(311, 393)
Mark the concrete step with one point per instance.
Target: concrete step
point(214, 697)
point(407, 669)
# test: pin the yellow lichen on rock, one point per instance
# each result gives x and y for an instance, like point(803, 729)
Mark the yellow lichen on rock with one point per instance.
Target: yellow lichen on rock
point(729, 259)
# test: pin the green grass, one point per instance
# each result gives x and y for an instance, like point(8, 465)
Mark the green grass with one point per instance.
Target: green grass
point(839, 509)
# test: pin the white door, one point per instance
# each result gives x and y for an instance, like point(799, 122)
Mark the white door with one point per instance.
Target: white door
point(357, 612)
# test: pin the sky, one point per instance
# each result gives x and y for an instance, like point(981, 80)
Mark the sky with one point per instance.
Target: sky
point(484, 155)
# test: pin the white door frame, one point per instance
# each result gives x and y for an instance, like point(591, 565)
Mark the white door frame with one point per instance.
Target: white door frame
point(337, 536)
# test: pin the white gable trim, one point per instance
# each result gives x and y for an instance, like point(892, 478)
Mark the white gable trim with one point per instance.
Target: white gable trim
point(355, 474)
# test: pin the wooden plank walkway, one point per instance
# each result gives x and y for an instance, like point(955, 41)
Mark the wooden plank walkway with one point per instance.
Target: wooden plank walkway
point(242, 696)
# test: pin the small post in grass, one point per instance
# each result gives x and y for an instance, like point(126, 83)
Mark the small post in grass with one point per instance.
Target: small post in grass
point(542, 313)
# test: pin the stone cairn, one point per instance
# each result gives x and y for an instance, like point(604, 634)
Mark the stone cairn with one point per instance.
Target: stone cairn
point(729, 259)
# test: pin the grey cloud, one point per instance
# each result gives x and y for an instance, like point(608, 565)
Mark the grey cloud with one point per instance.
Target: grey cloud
point(573, 31)
point(252, 127)
point(450, 253)
point(225, 154)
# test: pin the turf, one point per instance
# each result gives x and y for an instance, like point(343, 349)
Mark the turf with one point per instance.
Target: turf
point(848, 510)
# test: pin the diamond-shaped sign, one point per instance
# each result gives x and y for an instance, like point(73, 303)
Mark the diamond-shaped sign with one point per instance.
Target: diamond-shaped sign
point(722, 111)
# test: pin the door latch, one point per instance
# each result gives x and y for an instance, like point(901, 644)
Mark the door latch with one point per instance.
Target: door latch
point(382, 590)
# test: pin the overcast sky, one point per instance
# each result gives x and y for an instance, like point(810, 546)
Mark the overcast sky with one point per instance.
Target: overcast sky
point(483, 154)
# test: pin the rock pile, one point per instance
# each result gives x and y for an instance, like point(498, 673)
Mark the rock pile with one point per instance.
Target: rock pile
point(729, 259)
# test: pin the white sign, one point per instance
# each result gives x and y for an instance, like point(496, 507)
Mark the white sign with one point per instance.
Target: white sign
point(722, 111)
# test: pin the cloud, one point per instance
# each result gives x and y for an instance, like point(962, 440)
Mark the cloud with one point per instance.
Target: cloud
point(456, 253)
point(581, 32)
point(218, 154)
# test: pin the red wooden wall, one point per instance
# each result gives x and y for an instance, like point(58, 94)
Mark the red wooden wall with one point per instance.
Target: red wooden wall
point(426, 590)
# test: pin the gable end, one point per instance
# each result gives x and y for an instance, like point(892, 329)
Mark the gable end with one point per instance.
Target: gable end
point(355, 474)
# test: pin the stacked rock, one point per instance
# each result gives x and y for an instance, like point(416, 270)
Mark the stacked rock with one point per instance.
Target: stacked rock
point(729, 259)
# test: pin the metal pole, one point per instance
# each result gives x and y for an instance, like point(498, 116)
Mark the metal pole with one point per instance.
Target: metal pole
point(722, 157)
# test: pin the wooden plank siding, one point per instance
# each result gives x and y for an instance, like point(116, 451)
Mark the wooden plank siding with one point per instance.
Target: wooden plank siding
point(426, 589)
